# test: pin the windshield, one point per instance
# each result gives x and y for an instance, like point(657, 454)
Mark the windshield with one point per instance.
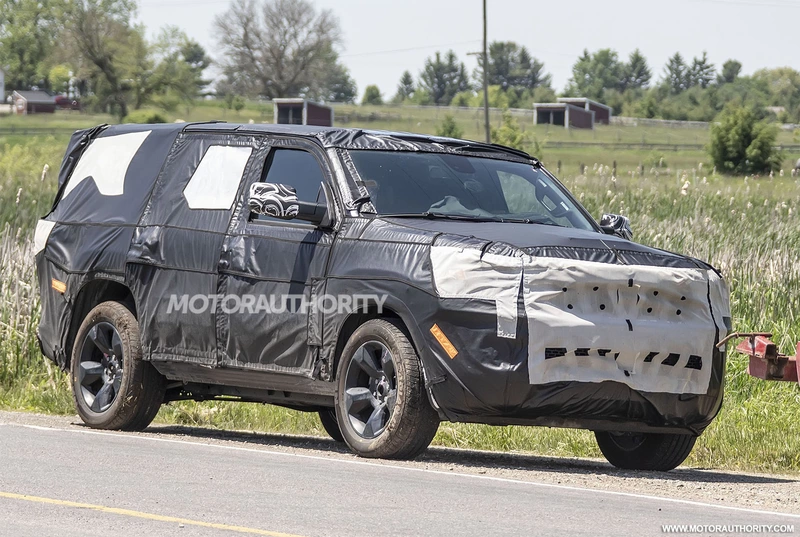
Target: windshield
point(464, 187)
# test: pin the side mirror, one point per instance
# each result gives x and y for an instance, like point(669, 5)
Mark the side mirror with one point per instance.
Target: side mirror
point(280, 201)
point(616, 224)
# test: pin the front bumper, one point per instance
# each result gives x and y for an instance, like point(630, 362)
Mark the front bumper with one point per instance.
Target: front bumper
point(488, 381)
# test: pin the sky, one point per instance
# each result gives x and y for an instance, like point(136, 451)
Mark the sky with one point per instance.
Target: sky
point(383, 38)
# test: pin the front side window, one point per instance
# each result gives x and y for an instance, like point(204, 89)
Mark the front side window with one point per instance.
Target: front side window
point(296, 168)
point(447, 185)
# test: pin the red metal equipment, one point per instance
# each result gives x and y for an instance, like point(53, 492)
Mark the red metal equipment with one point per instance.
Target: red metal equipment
point(765, 361)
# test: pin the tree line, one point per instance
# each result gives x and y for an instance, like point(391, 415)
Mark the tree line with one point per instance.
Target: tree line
point(287, 48)
point(686, 90)
point(93, 49)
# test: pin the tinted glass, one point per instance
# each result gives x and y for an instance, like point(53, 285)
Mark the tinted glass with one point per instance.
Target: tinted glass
point(454, 185)
point(296, 168)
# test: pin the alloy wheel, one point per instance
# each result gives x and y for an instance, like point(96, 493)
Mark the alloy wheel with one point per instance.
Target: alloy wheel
point(370, 389)
point(101, 367)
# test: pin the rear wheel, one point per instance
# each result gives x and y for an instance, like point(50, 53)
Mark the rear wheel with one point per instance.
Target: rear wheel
point(381, 404)
point(330, 424)
point(645, 451)
point(112, 386)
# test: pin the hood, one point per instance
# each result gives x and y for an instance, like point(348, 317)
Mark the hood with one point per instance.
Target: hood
point(540, 240)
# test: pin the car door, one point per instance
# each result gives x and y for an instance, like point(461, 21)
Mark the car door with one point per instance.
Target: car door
point(272, 271)
point(172, 263)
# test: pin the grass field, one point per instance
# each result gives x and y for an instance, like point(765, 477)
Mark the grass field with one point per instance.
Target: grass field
point(747, 227)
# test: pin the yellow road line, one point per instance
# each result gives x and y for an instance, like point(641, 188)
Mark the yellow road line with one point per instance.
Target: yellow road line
point(147, 516)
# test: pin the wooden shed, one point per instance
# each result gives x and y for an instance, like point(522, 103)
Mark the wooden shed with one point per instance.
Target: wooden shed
point(563, 114)
point(602, 113)
point(302, 112)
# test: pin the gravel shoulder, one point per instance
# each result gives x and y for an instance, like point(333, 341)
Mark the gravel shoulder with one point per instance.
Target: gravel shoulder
point(778, 493)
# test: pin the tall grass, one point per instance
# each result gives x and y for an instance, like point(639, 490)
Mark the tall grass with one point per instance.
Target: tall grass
point(748, 227)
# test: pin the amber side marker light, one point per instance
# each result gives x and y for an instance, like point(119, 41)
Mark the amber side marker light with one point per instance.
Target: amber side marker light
point(443, 341)
point(61, 287)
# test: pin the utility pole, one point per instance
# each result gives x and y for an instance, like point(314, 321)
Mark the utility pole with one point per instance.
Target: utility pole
point(485, 57)
point(484, 63)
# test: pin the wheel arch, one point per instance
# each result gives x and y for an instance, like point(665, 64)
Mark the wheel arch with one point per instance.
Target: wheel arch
point(392, 310)
point(92, 293)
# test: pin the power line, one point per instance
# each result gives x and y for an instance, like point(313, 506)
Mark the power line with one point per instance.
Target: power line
point(425, 47)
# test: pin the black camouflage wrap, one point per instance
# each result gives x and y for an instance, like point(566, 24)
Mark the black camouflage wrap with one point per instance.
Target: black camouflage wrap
point(149, 242)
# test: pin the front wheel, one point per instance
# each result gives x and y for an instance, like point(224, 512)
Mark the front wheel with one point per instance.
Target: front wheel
point(112, 386)
point(645, 451)
point(381, 404)
point(330, 424)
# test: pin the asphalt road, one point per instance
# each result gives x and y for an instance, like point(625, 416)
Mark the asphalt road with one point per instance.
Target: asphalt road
point(59, 479)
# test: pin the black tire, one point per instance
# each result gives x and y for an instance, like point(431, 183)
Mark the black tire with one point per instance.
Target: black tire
point(645, 451)
point(331, 424)
point(409, 423)
point(136, 389)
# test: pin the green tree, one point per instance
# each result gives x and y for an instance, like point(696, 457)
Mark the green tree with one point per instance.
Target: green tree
point(646, 106)
point(512, 67)
point(783, 85)
point(145, 116)
point(59, 78)
point(28, 33)
point(335, 85)
point(730, 72)
point(509, 133)
point(675, 74)
point(531, 74)
point(405, 88)
point(744, 91)
point(542, 94)
point(593, 73)
point(636, 73)
point(449, 128)
point(100, 33)
point(466, 99)
point(372, 95)
point(740, 143)
point(443, 78)
point(701, 72)
point(172, 68)
point(281, 48)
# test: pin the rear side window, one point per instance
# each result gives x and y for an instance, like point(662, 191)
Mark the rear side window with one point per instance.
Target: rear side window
point(198, 185)
point(214, 183)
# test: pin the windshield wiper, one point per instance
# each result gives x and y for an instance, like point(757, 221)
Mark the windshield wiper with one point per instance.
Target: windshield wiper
point(431, 215)
point(493, 148)
point(540, 221)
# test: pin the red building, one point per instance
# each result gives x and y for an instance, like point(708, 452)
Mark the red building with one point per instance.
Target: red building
point(302, 112)
point(602, 113)
point(563, 114)
point(577, 112)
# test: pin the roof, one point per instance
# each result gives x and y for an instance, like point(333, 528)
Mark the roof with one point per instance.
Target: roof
point(344, 138)
point(559, 106)
point(36, 97)
point(583, 101)
point(296, 100)
point(341, 138)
